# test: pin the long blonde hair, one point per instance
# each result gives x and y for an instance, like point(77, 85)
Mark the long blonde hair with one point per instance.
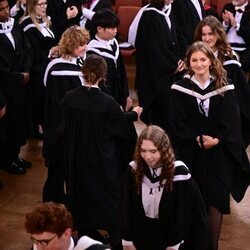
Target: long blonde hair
point(30, 11)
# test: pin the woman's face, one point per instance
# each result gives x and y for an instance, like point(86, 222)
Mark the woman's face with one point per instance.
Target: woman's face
point(200, 63)
point(150, 153)
point(209, 37)
point(40, 8)
point(79, 51)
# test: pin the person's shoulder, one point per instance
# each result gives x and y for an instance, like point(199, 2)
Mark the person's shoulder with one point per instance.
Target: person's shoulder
point(182, 84)
point(27, 23)
point(181, 171)
point(86, 243)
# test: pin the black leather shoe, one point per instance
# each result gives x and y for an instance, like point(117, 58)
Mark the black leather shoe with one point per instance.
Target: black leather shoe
point(14, 169)
point(23, 163)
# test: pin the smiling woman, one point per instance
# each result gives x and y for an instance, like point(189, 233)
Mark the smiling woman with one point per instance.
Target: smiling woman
point(207, 133)
point(154, 190)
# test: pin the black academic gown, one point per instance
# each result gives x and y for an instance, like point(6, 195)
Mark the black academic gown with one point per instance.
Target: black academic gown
point(187, 18)
point(93, 120)
point(223, 168)
point(116, 85)
point(102, 4)
point(57, 11)
point(242, 90)
point(156, 62)
point(61, 75)
point(41, 46)
point(243, 32)
point(181, 213)
point(13, 61)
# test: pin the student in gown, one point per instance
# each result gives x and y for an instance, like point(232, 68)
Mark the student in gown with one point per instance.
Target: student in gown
point(88, 10)
point(104, 44)
point(187, 14)
point(62, 74)
point(236, 21)
point(64, 14)
point(15, 63)
point(211, 31)
point(207, 133)
point(18, 10)
point(50, 227)
point(162, 206)
point(93, 120)
point(157, 60)
point(42, 37)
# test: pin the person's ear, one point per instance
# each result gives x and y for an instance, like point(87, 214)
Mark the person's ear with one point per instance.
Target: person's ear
point(68, 232)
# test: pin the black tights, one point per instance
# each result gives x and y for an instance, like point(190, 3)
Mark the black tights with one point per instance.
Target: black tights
point(215, 222)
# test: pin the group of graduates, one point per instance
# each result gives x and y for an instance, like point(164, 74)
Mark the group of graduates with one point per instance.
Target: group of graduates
point(191, 86)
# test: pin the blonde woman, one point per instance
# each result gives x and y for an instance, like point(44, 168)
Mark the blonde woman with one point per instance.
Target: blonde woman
point(43, 40)
point(205, 122)
point(62, 74)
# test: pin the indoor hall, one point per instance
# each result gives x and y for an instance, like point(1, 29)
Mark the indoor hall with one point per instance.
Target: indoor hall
point(21, 193)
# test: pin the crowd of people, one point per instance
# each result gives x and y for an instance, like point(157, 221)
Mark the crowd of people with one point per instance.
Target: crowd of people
point(61, 72)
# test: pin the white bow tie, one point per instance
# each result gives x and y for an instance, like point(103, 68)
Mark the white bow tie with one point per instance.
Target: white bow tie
point(7, 26)
point(241, 8)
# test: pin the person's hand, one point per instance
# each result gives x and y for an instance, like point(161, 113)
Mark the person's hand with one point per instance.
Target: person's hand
point(2, 112)
point(138, 110)
point(18, 2)
point(129, 104)
point(131, 247)
point(71, 12)
point(225, 17)
point(208, 141)
point(26, 77)
point(54, 52)
point(180, 66)
point(231, 19)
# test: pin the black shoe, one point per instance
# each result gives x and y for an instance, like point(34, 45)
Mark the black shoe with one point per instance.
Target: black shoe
point(14, 169)
point(23, 163)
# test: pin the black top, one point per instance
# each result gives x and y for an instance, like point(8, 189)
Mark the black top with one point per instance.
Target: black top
point(93, 120)
point(228, 158)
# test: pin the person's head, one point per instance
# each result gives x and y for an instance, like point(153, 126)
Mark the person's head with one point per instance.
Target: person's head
point(153, 148)
point(50, 226)
point(201, 62)
point(104, 23)
point(4, 11)
point(37, 9)
point(239, 2)
point(211, 31)
point(94, 69)
point(73, 42)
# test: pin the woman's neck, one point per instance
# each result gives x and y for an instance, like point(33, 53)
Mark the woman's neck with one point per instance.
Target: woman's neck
point(202, 79)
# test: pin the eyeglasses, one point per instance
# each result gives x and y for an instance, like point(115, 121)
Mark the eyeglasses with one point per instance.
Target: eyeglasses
point(42, 4)
point(43, 243)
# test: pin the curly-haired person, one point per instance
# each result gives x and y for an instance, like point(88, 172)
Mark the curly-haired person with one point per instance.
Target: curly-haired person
point(162, 206)
point(62, 74)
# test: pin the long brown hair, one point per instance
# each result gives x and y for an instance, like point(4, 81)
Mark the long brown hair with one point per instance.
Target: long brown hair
point(161, 140)
point(216, 68)
point(224, 48)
